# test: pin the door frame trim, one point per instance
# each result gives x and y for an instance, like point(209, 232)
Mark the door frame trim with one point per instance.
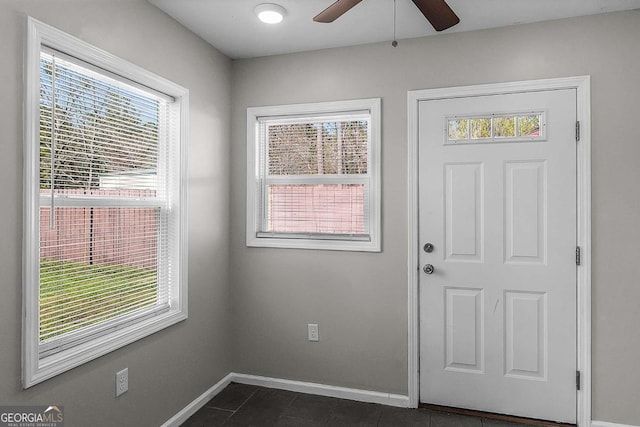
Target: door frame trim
point(582, 84)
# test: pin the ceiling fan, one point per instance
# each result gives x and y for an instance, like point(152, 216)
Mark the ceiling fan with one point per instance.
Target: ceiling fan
point(437, 12)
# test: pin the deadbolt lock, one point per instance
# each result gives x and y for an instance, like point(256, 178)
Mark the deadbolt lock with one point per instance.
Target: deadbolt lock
point(428, 247)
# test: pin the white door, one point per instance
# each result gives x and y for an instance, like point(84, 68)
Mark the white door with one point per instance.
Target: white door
point(497, 190)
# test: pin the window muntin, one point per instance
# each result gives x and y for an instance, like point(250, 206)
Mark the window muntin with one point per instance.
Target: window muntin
point(315, 176)
point(509, 127)
point(105, 211)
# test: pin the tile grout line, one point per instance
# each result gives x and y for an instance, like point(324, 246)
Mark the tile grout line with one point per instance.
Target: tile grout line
point(295, 397)
point(241, 405)
point(233, 411)
point(380, 417)
point(219, 409)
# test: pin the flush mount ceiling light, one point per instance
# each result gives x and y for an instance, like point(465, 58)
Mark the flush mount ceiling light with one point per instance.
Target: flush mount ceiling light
point(270, 13)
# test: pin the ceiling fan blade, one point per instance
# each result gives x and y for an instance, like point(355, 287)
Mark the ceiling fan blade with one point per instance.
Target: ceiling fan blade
point(335, 11)
point(438, 12)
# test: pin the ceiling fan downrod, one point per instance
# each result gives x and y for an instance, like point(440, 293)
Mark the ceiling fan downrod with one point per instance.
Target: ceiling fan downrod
point(394, 43)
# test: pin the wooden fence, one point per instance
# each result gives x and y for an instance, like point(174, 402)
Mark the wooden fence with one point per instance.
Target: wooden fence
point(129, 236)
point(333, 208)
point(101, 235)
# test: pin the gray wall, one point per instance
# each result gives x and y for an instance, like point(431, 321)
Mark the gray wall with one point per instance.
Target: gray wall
point(171, 368)
point(359, 300)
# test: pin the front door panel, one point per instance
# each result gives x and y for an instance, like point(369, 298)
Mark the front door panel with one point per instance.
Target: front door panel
point(498, 202)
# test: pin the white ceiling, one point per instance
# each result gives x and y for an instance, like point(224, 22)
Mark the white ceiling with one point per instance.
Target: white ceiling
point(233, 28)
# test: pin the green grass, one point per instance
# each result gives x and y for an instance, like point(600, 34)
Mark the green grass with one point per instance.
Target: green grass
point(74, 295)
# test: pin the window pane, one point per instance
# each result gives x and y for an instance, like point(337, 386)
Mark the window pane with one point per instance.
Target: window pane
point(458, 129)
point(95, 265)
point(481, 128)
point(504, 127)
point(104, 135)
point(529, 125)
point(323, 208)
point(318, 148)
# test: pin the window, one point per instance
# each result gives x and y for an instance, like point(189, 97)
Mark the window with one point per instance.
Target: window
point(105, 203)
point(313, 178)
point(518, 127)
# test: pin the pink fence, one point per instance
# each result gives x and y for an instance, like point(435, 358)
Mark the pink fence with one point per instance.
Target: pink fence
point(101, 235)
point(316, 208)
point(128, 236)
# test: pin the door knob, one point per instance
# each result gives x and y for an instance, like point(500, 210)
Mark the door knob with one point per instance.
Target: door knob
point(428, 268)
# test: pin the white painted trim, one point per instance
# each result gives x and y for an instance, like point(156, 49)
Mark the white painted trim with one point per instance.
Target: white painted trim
point(413, 309)
point(324, 390)
point(582, 85)
point(371, 105)
point(608, 424)
point(36, 369)
point(583, 111)
point(198, 403)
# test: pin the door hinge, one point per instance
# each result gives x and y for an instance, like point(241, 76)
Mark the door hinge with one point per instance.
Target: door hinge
point(577, 255)
point(577, 131)
point(577, 380)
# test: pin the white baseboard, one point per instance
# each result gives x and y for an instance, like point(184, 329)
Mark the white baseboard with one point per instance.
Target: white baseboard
point(198, 403)
point(297, 386)
point(607, 424)
point(324, 390)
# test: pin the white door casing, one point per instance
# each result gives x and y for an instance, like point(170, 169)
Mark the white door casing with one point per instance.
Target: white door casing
point(497, 317)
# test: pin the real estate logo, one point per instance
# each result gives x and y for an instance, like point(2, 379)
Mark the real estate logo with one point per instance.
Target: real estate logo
point(32, 416)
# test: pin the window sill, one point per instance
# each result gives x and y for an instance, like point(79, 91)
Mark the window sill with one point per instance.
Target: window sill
point(63, 361)
point(369, 245)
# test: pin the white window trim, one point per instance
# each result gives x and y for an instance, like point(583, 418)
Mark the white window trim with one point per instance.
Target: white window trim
point(34, 368)
point(256, 239)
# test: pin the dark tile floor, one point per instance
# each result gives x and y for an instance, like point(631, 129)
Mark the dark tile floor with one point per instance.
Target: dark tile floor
point(246, 405)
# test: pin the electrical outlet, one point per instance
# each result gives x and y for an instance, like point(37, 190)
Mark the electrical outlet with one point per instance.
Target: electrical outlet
point(313, 332)
point(122, 382)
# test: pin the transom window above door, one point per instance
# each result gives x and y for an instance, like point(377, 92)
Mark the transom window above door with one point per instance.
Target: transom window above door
point(503, 127)
point(313, 176)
